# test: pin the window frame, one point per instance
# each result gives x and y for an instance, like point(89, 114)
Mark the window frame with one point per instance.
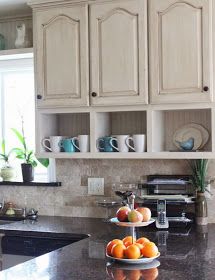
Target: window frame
point(11, 64)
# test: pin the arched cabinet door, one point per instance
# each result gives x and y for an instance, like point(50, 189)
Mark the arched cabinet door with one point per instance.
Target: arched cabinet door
point(61, 47)
point(180, 51)
point(118, 52)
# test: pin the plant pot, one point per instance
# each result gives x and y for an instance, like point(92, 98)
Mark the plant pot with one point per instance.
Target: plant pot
point(201, 209)
point(27, 172)
point(7, 173)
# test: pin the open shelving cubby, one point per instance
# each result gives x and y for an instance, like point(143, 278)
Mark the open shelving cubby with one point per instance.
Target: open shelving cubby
point(61, 124)
point(119, 123)
point(166, 122)
point(8, 30)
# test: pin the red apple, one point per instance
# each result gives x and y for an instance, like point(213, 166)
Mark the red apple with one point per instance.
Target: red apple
point(122, 213)
point(134, 216)
point(146, 212)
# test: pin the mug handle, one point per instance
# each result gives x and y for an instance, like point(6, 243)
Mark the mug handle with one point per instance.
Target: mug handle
point(112, 145)
point(60, 143)
point(44, 144)
point(127, 143)
point(73, 142)
point(98, 144)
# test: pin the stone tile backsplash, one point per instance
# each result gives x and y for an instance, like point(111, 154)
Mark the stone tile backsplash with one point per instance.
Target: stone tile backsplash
point(72, 199)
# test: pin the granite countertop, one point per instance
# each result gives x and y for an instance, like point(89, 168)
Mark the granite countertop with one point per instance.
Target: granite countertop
point(183, 256)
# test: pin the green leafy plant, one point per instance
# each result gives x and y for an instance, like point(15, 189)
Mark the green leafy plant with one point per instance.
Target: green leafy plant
point(5, 155)
point(24, 153)
point(199, 169)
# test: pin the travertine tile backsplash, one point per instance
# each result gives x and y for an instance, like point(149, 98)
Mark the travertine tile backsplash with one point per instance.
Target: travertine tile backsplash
point(72, 200)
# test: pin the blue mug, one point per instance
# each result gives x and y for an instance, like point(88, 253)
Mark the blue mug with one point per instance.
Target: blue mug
point(67, 145)
point(104, 144)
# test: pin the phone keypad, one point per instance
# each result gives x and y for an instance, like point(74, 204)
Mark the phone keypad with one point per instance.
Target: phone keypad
point(162, 218)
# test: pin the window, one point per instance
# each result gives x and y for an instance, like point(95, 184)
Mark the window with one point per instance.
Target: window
point(17, 101)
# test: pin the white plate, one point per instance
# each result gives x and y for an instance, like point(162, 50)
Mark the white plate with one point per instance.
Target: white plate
point(204, 132)
point(129, 224)
point(141, 266)
point(186, 132)
point(134, 261)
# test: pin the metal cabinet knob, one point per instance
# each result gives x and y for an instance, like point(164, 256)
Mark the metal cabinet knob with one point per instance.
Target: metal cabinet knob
point(94, 94)
point(206, 88)
point(39, 96)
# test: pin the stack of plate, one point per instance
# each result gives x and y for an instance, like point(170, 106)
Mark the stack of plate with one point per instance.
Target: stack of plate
point(192, 130)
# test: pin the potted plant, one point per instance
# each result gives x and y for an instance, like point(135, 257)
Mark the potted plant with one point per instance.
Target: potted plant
point(199, 169)
point(7, 171)
point(27, 155)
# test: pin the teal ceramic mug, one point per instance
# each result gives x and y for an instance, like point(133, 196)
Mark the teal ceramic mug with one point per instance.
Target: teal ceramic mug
point(104, 144)
point(67, 145)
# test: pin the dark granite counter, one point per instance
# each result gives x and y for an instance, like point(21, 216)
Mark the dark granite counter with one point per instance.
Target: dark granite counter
point(185, 255)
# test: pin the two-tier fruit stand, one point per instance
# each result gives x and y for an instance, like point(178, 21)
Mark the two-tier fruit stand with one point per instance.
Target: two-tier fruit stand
point(133, 226)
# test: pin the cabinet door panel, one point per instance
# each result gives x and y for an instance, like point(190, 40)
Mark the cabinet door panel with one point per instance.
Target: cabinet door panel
point(119, 52)
point(62, 56)
point(114, 58)
point(180, 44)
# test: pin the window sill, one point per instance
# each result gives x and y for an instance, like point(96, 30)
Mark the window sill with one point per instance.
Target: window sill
point(32, 184)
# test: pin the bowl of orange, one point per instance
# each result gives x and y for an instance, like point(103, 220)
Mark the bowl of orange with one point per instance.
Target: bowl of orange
point(132, 251)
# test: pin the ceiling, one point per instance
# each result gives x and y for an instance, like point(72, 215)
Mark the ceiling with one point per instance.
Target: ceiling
point(13, 7)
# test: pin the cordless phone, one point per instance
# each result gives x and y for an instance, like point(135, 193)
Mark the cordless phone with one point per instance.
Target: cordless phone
point(162, 220)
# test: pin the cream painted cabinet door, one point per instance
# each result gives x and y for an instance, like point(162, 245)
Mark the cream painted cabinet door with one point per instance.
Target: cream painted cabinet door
point(61, 47)
point(180, 51)
point(118, 52)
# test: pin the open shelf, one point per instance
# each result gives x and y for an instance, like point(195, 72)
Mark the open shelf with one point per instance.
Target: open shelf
point(165, 123)
point(9, 31)
point(158, 125)
point(32, 184)
point(66, 125)
point(16, 53)
point(119, 123)
point(130, 155)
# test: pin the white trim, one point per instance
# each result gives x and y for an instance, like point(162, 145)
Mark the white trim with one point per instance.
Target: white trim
point(19, 65)
point(2, 109)
point(16, 64)
point(52, 170)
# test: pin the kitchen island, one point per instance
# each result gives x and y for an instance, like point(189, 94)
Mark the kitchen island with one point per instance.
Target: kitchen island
point(185, 254)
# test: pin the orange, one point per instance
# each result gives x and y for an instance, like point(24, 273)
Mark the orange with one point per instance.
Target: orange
point(111, 244)
point(149, 250)
point(132, 252)
point(127, 243)
point(118, 251)
point(150, 274)
point(139, 245)
point(118, 274)
point(128, 238)
point(134, 275)
point(142, 240)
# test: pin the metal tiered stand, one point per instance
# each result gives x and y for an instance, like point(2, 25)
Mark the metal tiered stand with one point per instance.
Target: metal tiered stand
point(133, 227)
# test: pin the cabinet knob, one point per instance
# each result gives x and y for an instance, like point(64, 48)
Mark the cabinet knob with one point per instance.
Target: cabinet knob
point(206, 88)
point(94, 94)
point(39, 96)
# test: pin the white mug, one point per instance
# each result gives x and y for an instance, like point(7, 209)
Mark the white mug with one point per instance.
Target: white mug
point(54, 143)
point(122, 146)
point(83, 143)
point(139, 143)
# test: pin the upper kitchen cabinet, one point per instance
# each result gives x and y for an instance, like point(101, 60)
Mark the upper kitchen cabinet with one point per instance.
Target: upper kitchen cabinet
point(118, 52)
point(61, 48)
point(180, 51)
